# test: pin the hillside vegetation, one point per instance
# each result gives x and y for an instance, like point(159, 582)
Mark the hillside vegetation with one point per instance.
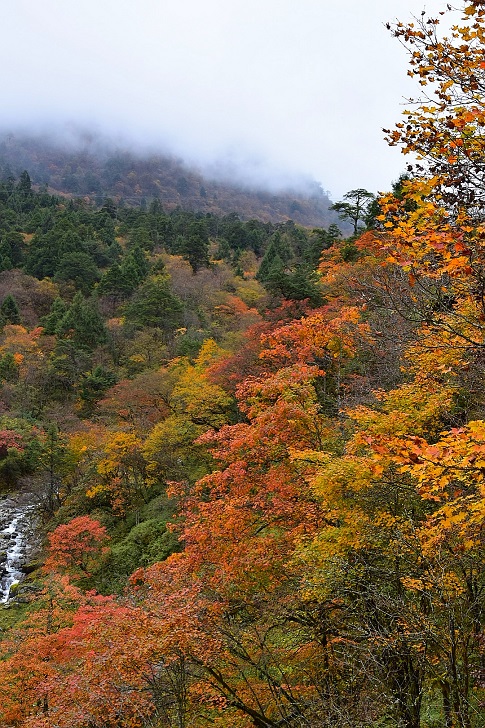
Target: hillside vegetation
point(258, 449)
point(93, 169)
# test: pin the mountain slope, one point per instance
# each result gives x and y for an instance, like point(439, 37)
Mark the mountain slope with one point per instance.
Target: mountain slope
point(92, 169)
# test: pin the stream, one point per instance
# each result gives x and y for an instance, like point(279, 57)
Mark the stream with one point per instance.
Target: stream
point(17, 529)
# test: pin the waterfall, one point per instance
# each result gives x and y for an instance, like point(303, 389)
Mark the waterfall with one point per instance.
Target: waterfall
point(16, 524)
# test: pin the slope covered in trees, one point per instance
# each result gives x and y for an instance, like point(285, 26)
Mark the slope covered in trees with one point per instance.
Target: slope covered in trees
point(94, 169)
point(263, 509)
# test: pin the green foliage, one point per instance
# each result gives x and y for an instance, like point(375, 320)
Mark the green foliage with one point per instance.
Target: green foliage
point(92, 387)
point(11, 248)
point(122, 278)
point(321, 240)
point(349, 251)
point(24, 185)
point(51, 321)
point(113, 282)
point(303, 284)
point(146, 543)
point(135, 265)
point(356, 208)
point(277, 256)
point(9, 311)
point(80, 269)
point(47, 250)
point(20, 451)
point(283, 275)
point(9, 369)
point(195, 245)
point(66, 364)
point(154, 305)
point(82, 323)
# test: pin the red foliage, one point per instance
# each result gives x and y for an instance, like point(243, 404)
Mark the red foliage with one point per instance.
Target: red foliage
point(74, 545)
point(9, 440)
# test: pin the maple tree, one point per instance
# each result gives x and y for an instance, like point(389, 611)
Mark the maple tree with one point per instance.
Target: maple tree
point(75, 545)
point(140, 401)
point(241, 526)
point(445, 127)
point(55, 670)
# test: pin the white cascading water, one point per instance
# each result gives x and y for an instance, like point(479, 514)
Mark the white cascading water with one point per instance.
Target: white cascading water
point(16, 521)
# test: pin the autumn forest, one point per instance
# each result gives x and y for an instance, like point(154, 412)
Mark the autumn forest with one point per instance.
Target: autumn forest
point(256, 449)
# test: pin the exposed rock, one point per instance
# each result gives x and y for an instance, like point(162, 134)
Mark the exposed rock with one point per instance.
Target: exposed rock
point(30, 567)
point(17, 524)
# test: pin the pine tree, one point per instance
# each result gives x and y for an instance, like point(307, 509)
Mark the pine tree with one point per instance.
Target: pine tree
point(51, 321)
point(9, 311)
point(155, 305)
point(195, 246)
point(82, 323)
point(275, 259)
point(24, 185)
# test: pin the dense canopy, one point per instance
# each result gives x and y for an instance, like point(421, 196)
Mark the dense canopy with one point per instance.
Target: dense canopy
point(259, 449)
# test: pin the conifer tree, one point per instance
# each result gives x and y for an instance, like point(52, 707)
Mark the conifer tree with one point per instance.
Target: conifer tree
point(51, 321)
point(277, 256)
point(355, 208)
point(134, 268)
point(9, 311)
point(155, 305)
point(82, 323)
point(24, 185)
point(195, 245)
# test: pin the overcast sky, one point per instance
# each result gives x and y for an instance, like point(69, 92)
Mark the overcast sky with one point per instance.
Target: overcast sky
point(267, 85)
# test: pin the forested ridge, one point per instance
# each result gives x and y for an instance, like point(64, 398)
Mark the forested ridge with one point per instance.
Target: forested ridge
point(258, 449)
point(92, 167)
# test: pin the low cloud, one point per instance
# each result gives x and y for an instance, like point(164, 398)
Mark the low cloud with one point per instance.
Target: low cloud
point(272, 91)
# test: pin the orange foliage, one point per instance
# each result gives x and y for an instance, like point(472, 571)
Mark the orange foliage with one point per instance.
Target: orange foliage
point(75, 545)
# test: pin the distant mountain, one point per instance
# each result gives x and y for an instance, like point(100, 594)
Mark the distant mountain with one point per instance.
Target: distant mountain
point(92, 170)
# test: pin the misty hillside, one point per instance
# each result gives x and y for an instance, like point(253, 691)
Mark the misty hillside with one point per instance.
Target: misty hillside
point(93, 170)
